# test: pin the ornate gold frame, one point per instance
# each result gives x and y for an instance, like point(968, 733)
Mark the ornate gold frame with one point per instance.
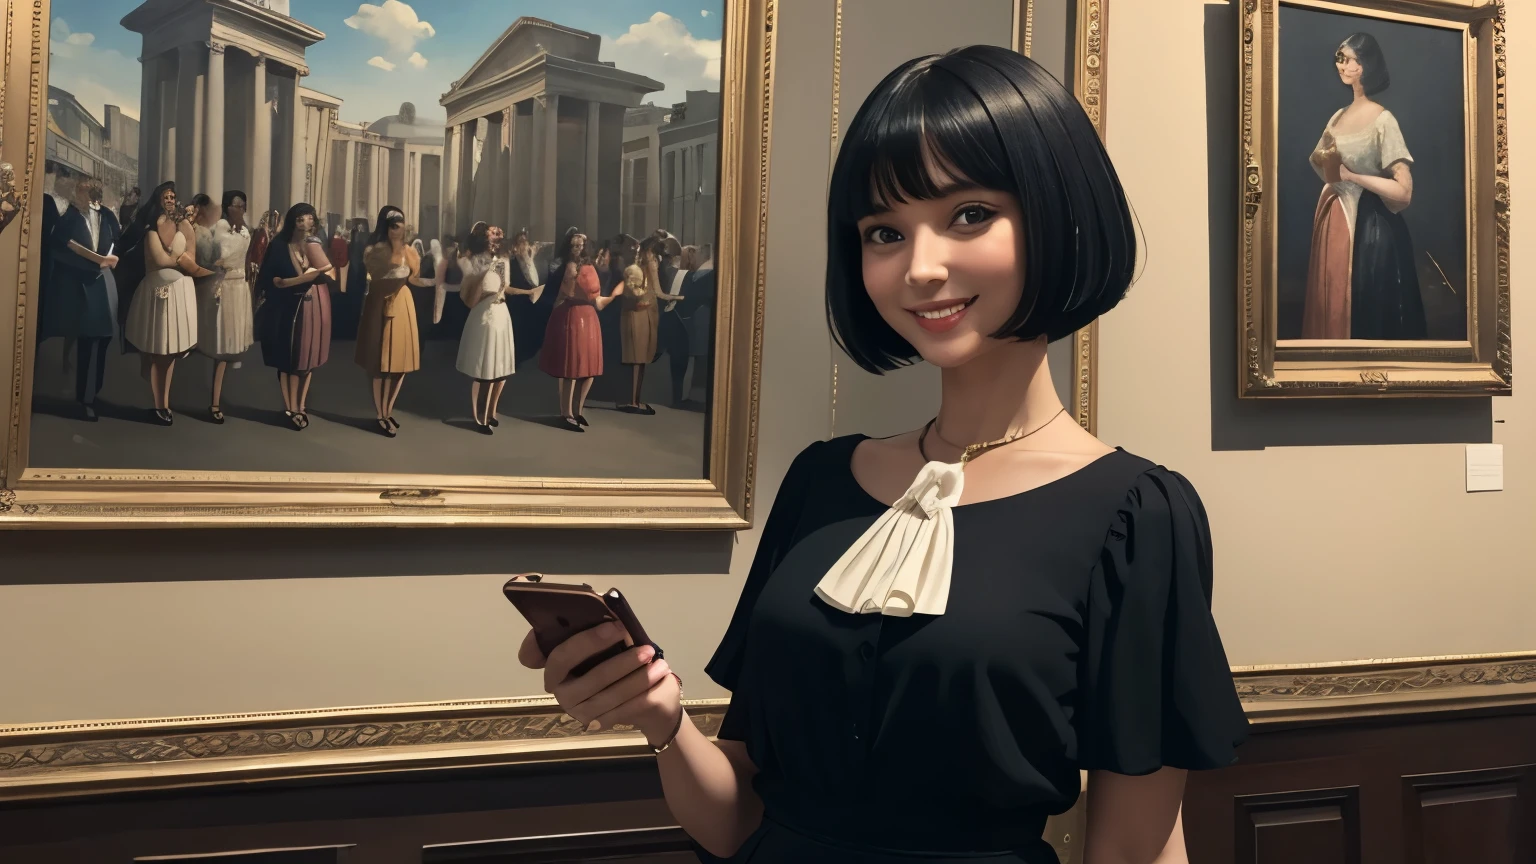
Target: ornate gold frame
point(53, 498)
point(1090, 85)
point(1479, 365)
point(48, 760)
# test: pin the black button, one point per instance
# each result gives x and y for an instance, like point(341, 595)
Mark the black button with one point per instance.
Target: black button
point(866, 651)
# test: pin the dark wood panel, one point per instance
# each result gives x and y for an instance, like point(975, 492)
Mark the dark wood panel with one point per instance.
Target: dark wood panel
point(644, 846)
point(1483, 816)
point(1318, 827)
point(325, 855)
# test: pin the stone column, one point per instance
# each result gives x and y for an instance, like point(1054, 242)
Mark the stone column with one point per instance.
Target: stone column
point(465, 210)
point(590, 217)
point(348, 208)
point(213, 130)
point(298, 152)
point(448, 189)
point(653, 186)
point(513, 182)
point(494, 179)
point(261, 146)
point(189, 120)
point(167, 131)
point(377, 160)
point(150, 121)
point(546, 128)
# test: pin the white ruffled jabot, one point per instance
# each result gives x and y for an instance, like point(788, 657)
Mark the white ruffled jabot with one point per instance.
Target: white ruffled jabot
point(902, 564)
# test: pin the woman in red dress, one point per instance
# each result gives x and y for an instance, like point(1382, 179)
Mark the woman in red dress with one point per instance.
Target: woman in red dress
point(573, 340)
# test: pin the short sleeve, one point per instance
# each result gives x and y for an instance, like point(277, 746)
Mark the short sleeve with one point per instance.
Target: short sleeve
point(1393, 148)
point(1156, 687)
point(778, 534)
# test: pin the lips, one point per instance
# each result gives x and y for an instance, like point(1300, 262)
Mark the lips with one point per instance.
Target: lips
point(938, 317)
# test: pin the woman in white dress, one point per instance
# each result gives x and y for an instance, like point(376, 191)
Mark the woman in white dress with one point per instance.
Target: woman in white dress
point(162, 320)
point(224, 299)
point(487, 353)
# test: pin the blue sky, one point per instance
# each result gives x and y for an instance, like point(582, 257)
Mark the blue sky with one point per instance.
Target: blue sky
point(380, 53)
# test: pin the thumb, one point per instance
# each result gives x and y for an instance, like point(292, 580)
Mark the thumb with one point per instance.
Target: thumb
point(529, 654)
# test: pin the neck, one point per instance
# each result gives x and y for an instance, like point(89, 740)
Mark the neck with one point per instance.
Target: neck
point(1360, 92)
point(1006, 391)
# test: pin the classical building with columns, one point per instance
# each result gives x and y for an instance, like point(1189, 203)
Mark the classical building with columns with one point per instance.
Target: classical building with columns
point(535, 134)
point(220, 101)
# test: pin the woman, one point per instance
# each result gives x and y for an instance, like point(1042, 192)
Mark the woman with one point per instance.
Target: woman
point(637, 324)
point(224, 327)
point(295, 312)
point(162, 317)
point(260, 240)
point(573, 340)
point(487, 353)
point(388, 344)
point(1362, 282)
point(698, 313)
point(925, 656)
point(523, 274)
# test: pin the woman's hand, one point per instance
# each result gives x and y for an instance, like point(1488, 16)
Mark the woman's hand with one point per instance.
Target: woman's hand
point(108, 262)
point(631, 689)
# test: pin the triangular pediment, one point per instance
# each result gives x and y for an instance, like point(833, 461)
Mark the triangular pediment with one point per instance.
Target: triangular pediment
point(526, 39)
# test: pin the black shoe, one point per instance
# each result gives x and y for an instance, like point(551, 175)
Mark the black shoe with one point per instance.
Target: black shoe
point(572, 425)
point(393, 422)
point(216, 414)
point(386, 429)
point(164, 417)
point(485, 428)
point(494, 423)
point(90, 413)
point(582, 419)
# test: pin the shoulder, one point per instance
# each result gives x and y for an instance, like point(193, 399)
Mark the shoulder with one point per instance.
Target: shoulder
point(1386, 120)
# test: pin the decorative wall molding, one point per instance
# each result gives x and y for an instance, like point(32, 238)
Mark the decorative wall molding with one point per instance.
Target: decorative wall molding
point(52, 759)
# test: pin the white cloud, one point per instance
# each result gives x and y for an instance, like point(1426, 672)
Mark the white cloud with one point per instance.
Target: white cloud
point(381, 63)
point(394, 22)
point(417, 60)
point(97, 77)
point(703, 13)
point(662, 48)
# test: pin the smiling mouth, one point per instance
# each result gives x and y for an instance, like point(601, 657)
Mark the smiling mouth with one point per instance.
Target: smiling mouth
point(944, 312)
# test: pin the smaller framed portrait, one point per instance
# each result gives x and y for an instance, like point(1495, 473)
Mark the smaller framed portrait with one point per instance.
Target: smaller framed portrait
point(1374, 252)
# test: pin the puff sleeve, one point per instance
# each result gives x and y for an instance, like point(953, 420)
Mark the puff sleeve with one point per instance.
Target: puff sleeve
point(1156, 686)
point(777, 538)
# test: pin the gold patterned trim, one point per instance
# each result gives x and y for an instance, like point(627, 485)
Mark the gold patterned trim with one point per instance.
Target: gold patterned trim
point(52, 759)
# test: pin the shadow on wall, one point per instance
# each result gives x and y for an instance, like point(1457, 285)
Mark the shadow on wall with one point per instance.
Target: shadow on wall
point(31, 557)
point(1287, 422)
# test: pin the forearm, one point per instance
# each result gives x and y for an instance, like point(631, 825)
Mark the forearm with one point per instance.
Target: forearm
point(1389, 190)
point(710, 800)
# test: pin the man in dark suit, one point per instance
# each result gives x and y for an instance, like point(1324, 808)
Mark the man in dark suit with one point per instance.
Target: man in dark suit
point(83, 248)
point(57, 181)
point(672, 330)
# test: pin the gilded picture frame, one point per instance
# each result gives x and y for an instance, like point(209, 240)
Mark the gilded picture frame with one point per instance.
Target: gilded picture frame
point(63, 498)
point(1287, 344)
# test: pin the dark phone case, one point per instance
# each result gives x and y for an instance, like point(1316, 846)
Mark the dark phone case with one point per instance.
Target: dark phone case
point(557, 611)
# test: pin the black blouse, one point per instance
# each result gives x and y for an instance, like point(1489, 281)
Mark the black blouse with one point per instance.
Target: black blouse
point(1078, 635)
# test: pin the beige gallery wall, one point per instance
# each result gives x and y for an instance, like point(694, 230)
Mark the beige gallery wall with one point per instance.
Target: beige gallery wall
point(1342, 531)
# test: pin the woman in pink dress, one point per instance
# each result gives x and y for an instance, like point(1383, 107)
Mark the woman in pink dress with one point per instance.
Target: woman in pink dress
point(573, 340)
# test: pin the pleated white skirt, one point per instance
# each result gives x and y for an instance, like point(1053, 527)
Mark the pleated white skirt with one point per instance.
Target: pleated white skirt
point(224, 316)
point(486, 350)
point(163, 316)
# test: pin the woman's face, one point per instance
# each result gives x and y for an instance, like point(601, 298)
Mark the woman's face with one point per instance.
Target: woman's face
point(237, 210)
point(520, 245)
point(1348, 65)
point(497, 237)
point(578, 246)
point(396, 232)
point(168, 200)
point(946, 273)
point(304, 226)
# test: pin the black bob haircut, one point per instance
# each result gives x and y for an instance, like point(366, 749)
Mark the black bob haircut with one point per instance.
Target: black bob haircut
point(997, 119)
point(1374, 76)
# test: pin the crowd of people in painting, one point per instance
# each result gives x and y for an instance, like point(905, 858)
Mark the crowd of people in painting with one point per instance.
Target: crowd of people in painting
point(168, 276)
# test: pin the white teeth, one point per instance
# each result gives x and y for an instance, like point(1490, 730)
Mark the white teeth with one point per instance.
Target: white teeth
point(942, 313)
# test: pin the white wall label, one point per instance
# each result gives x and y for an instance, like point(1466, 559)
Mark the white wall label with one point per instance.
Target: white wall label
point(1485, 467)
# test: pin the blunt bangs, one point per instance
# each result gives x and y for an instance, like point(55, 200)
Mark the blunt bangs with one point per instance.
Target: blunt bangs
point(988, 117)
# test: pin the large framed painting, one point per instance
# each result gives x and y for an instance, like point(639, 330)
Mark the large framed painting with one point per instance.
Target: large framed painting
point(1375, 199)
point(387, 262)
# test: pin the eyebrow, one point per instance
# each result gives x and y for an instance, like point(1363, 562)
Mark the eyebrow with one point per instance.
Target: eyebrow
point(948, 189)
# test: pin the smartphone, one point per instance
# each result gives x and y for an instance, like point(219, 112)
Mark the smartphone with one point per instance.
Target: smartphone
point(559, 610)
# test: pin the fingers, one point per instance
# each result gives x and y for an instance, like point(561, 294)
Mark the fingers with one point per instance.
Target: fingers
point(529, 654)
point(613, 704)
point(656, 695)
point(569, 654)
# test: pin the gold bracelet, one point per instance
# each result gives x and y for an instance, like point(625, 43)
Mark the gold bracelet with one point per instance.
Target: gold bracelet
point(680, 714)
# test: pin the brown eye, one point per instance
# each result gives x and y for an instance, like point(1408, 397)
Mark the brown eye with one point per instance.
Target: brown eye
point(974, 215)
point(880, 235)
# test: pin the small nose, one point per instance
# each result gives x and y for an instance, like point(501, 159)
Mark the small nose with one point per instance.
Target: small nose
point(929, 253)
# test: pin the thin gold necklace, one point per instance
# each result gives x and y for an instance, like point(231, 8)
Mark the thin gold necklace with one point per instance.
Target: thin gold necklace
point(971, 451)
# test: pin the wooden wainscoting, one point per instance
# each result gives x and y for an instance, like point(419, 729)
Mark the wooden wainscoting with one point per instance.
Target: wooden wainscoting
point(1404, 762)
